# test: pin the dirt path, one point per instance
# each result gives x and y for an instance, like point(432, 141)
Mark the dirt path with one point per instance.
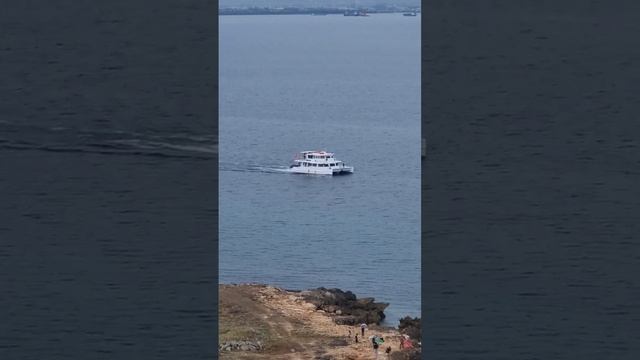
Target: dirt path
point(289, 327)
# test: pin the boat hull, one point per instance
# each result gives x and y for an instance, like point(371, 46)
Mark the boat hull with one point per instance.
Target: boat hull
point(322, 171)
point(343, 171)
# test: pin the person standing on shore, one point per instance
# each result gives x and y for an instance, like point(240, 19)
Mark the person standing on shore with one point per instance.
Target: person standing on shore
point(356, 338)
point(363, 326)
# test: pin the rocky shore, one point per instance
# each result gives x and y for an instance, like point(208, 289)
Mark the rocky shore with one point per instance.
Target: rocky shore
point(345, 308)
point(266, 322)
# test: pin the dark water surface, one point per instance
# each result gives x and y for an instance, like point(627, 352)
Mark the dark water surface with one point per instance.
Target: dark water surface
point(345, 84)
point(107, 180)
point(531, 183)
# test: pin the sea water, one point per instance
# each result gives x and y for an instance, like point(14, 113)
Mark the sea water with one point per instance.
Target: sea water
point(349, 85)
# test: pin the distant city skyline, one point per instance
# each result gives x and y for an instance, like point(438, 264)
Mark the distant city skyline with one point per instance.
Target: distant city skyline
point(317, 3)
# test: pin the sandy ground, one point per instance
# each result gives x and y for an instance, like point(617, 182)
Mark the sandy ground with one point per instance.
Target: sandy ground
point(290, 328)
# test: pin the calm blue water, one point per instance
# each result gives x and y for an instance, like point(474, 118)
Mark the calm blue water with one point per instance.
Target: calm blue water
point(347, 85)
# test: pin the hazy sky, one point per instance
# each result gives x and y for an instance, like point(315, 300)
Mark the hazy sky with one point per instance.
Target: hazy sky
point(315, 3)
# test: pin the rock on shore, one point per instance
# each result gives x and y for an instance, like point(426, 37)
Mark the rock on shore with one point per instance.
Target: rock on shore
point(241, 346)
point(345, 307)
point(411, 327)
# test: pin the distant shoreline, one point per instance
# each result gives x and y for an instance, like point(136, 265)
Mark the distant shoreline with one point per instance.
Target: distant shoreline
point(306, 11)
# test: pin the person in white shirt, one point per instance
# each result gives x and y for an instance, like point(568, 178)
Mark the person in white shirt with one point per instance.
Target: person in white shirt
point(363, 326)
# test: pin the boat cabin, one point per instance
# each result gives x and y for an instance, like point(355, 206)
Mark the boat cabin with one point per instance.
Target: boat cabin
point(317, 155)
point(317, 159)
point(319, 162)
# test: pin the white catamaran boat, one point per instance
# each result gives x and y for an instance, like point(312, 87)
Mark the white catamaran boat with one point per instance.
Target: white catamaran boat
point(319, 162)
